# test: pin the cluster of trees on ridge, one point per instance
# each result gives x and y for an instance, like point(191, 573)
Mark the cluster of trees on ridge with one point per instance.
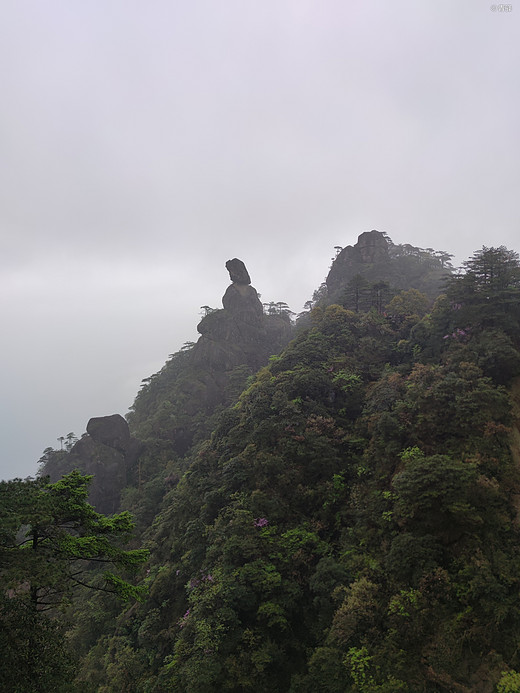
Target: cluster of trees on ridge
point(350, 525)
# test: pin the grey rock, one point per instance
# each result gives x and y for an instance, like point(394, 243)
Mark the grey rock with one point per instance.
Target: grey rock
point(238, 272)
point(110, 430)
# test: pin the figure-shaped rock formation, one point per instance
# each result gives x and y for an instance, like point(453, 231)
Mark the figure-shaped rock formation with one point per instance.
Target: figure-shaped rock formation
point(235, 342)
point(240, 334)
point(241, 299)
point(179, 401)
point(238, 272)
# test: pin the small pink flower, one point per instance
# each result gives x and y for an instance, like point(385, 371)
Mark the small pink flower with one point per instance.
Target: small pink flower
point(182, 621)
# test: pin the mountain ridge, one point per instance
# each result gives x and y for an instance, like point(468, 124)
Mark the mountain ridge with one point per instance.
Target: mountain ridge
point(345, 518)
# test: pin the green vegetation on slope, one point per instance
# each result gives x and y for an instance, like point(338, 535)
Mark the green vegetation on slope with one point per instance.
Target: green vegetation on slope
point(350, 525)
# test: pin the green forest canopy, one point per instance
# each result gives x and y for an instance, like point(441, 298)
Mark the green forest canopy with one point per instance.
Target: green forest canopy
point(349, 523)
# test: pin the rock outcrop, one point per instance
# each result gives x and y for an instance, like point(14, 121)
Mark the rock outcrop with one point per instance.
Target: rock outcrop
point(370, 255)
point(173, 410)
point(240, 334)
point(177, 404)
point(375, 258)
point(110, 430)
point(107, 451)
point(372, 247)
point(238, 272)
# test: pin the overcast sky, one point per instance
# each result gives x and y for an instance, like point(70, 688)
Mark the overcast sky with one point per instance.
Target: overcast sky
point(143, 144)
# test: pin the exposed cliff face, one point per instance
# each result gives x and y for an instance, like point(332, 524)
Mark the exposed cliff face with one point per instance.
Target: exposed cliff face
point(369, 257)
point(107, 451)
point(377, 259)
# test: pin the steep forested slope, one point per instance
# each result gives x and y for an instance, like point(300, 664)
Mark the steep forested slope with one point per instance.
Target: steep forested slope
point(350, 524)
